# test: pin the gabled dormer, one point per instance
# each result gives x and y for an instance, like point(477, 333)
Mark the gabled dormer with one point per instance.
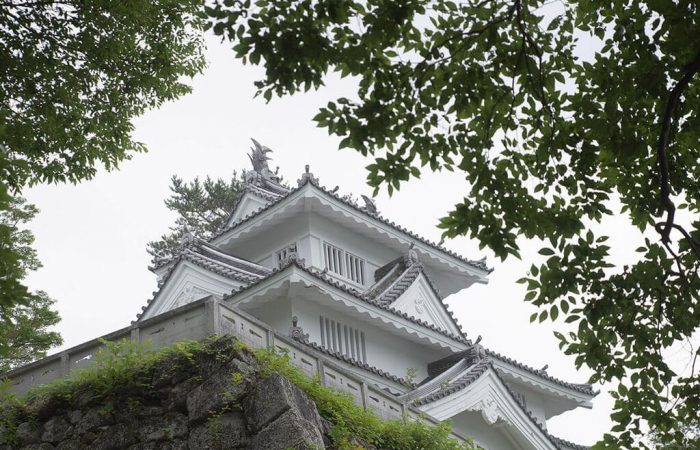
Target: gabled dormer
point(198, 270)
point(404, 285)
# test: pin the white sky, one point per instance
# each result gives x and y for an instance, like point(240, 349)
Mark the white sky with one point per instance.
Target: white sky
point(92, 237)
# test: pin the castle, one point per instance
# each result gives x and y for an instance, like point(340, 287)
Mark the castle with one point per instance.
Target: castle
point(353, 298)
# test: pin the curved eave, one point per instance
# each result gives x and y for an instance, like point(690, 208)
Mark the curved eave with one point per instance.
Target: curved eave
point(548, 386)
point(390, 318)
point(470, 397)
point(310, 197)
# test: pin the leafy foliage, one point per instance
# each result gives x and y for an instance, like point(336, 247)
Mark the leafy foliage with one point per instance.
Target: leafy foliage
point(202, 208)
point(26, 332)
point(75, 73)
point(25, 316)
point(554, 140)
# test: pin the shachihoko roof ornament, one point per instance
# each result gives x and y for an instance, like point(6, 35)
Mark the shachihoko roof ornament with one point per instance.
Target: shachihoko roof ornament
point(370, 206)
point(261, 175)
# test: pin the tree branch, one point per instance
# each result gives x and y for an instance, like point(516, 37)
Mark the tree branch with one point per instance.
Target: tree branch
point(662, 155)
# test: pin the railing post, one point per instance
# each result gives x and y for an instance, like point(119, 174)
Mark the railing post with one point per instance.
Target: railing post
point(270, 340)
point(65, 364)
point(213, 316)
point(321, 371)
point(363, 390)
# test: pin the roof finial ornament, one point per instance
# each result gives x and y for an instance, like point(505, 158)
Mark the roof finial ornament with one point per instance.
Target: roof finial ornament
point(186, 239)
point(412, 254)
point(307, 176)
point(481, 263)
point(370, 206)
point(296, 332)
point(476, 352)
point(261, 171)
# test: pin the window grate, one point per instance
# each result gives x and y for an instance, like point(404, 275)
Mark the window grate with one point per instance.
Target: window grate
point(344, 263)
point(343, 339)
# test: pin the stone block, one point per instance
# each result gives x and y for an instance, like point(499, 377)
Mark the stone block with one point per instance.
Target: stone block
point(289, 431)
point(227, 431)
point(93, 418)
point(56, 429)
point(28, 433)
point(115, 437)
point(169, 426)
point(275, 395)
point(218, 391)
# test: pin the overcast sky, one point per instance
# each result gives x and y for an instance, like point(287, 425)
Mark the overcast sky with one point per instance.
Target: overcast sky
point(92, 237)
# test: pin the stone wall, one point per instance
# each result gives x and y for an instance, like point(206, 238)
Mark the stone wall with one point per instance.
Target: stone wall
point(214, 400)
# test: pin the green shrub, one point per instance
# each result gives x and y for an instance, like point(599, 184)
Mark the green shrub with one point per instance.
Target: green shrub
point(351, 421)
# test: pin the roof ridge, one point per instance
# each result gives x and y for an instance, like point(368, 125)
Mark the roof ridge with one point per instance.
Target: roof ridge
point(584, 388)
point(476, 264)
point(399, 285)
point(355, 293)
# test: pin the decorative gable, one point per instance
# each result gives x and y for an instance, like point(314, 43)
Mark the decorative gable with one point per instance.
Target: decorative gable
point(247, 204)
point(186, 283)
point(421, 301)
point(404, 285)
point(199, 270)
point(478, 388)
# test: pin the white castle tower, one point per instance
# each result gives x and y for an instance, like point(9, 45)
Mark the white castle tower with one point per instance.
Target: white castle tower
point(354, 298)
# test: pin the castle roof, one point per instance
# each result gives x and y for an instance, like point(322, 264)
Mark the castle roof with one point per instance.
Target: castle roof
point(465, 373)
point(347, 201)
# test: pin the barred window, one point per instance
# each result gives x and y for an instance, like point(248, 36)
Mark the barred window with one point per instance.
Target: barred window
point(344, 263)
point(343, 339)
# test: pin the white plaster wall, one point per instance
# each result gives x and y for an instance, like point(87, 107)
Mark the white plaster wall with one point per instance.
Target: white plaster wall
point(374, 254)
point(262, 248)
point(470, 423)
point(276, 313)
point(384, 350)
point(431, 310)
point(248, 205)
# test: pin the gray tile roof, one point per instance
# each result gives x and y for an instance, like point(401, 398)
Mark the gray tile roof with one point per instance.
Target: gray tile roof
point(353, 361)
point(567, 444)
point(476, 264)
point(202, 254)
point(579, 387)
point(474, 373)
point(457, 384)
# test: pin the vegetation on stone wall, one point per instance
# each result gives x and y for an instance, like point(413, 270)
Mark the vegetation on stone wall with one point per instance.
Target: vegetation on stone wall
point(201, 394)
